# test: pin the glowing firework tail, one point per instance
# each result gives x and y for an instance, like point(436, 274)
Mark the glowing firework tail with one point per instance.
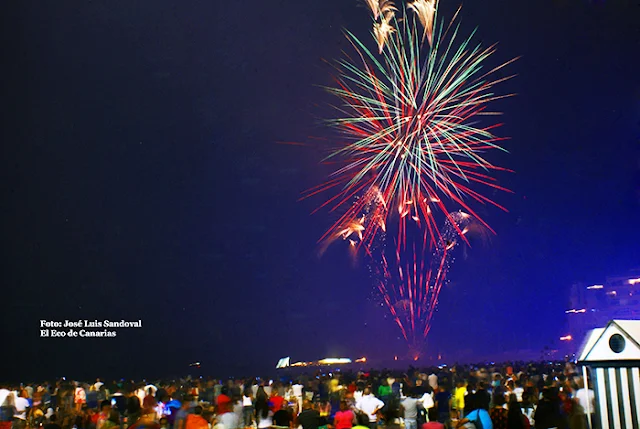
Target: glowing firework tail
point(410, 281)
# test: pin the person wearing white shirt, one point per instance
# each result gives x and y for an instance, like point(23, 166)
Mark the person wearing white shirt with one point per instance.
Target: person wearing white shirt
point(140, 394)
point(4, 394)
point(357, 395)
point(409, 406)
point(518, 391)
point(247, 408)
point(433, 381)
point(427, 401)
point(98, 384)
point(370, 405)
point(297, 392)
point(586, 398)
point(21, 404)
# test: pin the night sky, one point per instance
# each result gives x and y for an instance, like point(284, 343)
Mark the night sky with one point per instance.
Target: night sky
point(143, 179)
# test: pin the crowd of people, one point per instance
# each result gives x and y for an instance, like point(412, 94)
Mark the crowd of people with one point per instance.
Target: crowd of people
point(509, 396)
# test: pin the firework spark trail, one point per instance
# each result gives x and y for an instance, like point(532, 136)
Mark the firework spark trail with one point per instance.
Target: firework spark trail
point(411, 281)
point(425, 10)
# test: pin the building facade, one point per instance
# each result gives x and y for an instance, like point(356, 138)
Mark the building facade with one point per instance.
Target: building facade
point(594, 305)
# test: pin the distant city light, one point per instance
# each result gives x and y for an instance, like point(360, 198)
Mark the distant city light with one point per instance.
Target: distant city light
point(361, 360)
point(334, 361)
point(566, 338)
point(612, 293)
point(573, 310)
point(634, 281)
point(595, 287)
point(325, 361)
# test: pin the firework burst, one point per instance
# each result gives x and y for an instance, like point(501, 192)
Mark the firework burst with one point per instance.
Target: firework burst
point(409, 125)
point(412, 146)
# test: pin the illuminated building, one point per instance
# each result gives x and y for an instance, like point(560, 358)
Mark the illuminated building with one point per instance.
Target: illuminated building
point(594, 305)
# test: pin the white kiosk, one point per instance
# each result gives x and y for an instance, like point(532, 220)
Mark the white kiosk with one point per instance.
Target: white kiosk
point(613, 354)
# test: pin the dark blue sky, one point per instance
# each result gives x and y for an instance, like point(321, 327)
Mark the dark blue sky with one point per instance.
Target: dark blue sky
point(142, 180)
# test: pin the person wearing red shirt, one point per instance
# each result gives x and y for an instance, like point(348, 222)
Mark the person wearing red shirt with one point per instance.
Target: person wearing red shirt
point(275, 402)
point(195, 420)
point(343, 418)
point(224, 402)
point(93, 416)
